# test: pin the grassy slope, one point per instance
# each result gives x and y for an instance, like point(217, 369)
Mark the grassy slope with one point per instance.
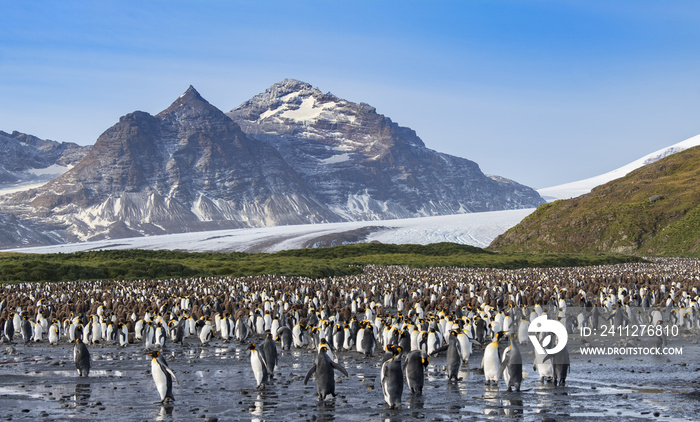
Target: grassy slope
point(620, 217)
point(322, 262)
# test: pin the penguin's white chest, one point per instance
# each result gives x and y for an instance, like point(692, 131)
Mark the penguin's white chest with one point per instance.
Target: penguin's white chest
point(204, 334)
point(160, 378)
point(257, 366)
point(491, 363)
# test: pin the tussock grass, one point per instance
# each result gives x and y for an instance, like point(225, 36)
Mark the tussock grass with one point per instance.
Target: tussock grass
point(314, 263)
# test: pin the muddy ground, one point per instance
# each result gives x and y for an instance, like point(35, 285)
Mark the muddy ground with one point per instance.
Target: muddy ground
point(39, 382)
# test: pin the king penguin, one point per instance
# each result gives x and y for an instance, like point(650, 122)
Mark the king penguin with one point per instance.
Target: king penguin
point(81, 357)
point(392, 379)
point(560, 366)
point(522, 330)
point(512, 365)
point(257, 362)
point(9, 328)
point(27, 332)
point(163, 376)
point(323, 368)
point(454, 356)
point(416, 362)
point(490, 363)
point(284, 336)
point(269, 351)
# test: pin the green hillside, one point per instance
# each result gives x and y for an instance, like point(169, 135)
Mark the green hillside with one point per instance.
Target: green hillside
point(654, 210)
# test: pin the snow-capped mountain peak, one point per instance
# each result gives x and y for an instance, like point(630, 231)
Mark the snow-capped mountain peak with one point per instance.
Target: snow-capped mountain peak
point(362, 163)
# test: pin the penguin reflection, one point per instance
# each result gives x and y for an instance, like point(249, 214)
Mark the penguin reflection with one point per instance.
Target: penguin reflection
point(82, 394)
point(512, 407)
point(165, 413)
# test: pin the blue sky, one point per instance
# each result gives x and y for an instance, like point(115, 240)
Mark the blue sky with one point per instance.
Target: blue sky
point(543, 92)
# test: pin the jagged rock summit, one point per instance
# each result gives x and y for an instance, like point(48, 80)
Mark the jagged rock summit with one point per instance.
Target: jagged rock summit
point(363, 165)
point(188, 168)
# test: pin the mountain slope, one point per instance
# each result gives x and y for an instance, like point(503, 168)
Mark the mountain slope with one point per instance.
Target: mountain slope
point(363, 165)
point(188, 168)
point(580, 187)
point(653, 210)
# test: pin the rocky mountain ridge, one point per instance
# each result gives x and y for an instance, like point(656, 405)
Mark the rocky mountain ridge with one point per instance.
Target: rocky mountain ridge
point(291, 155)
point(27, 159)
point(365, 166)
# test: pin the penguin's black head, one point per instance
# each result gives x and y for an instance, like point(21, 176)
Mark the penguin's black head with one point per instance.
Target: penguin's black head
point(251, 347)
point(154, 354)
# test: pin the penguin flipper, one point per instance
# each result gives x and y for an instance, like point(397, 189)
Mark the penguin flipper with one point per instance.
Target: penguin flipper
point(337, 366)
point(164, 366)
point(439, 350)
point(309, 373)
point(173, 375)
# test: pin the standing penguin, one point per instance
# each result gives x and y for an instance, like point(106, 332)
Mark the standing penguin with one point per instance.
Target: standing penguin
point(323, 368)
point(284, 336)
point(9, 328)
point(53, 334)
point(81, 357)
point(27, 332)
point(416, 362)
point(454, 356)
point(368, 342)
point(522, 330)
point(560, 366)
point(269, 350)
point(392, 379)
point(490, 363)
point(257, 362)
point(338, 337)
point(163, 376)
point(122, 334)
point(206, 334)
point(512, 365)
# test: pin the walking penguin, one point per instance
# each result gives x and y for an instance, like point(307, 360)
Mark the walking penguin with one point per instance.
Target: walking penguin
point(163, 376)
point(323, 368)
